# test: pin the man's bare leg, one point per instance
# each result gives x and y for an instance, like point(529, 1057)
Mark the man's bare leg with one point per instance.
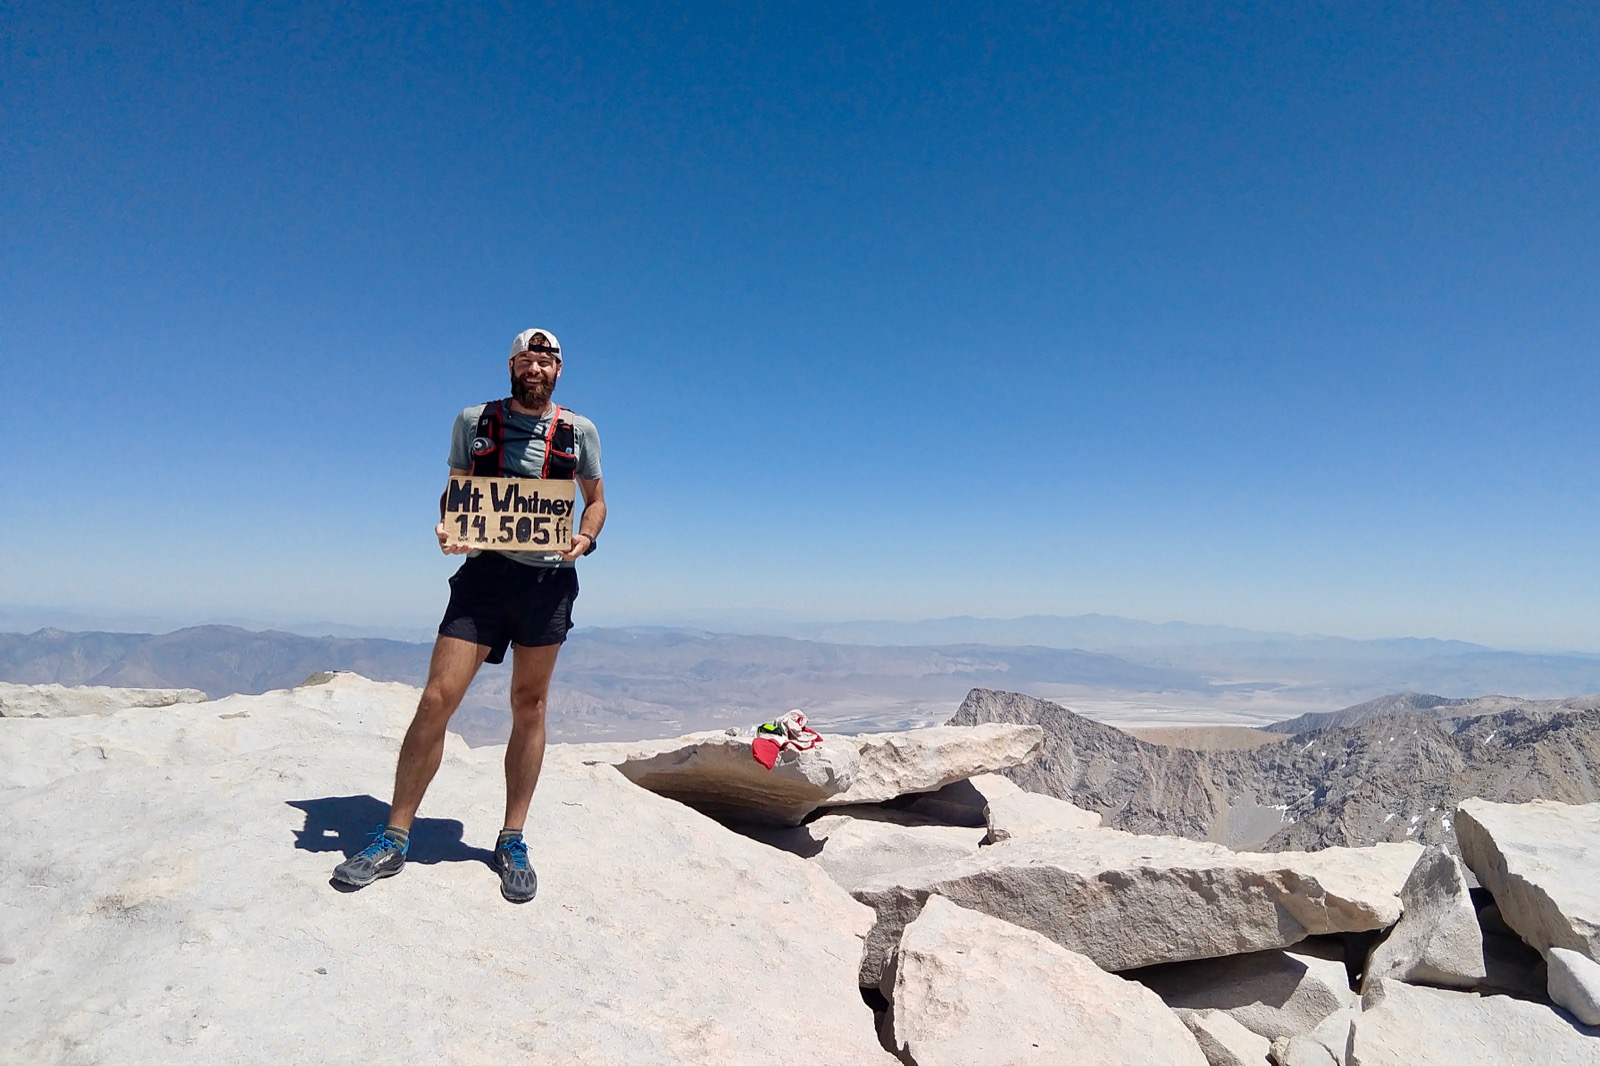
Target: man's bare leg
point(455, 662)
point(530, 692)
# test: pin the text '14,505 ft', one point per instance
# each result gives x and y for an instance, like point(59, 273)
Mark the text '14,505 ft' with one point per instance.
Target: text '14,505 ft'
point(510, 514)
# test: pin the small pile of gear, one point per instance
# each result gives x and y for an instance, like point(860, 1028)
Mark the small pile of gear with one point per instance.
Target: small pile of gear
point(789, 731)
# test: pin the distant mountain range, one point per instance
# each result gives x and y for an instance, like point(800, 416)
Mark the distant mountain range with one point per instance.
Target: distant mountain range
point(613, 683)
point(1429, 706)
point(633, 683)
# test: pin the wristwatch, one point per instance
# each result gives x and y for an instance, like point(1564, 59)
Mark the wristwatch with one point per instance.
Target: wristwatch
point(594, 542)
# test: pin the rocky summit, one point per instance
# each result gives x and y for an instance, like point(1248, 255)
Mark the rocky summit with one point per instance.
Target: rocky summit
point(167, 899)
point(1387, 778)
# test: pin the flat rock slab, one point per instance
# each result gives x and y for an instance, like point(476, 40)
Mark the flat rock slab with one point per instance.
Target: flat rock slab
point(969, 989)
point(1438, 940)
point(856, 844)
point(924, 760)
point(855, 850)
point(716, 774)
point(1225, 1042)
point(1271, 993)
point(1333, 1034)
point(187, 916)
point(1575, 984)
point(1539, 861)
point(62, 701)
point(1301, 1051)
point(1126, 900)
point(1404, 1025)
point(1010, 812)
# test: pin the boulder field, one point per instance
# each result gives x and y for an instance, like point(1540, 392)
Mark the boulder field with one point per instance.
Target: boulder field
point(883, 898)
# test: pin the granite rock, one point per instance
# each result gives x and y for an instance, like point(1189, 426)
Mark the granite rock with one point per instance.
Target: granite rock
point(968, 989)
point(1438, 940)
point(715, 773)
point(925, 760)
point(1271, 993)
point(1538, 861)
point(62, 701)
point(188, 917)
point(1575, 984)
point(1009, 811)
point(1301, 1051)
point(867, 842)
point(1223, 1041)
point(1128, 901)
point(1405, 1025)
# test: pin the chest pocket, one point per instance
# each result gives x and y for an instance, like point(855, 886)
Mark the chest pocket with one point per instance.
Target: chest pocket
point(560, 450)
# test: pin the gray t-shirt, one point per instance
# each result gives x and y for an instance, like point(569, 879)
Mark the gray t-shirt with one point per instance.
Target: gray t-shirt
point(522, 455)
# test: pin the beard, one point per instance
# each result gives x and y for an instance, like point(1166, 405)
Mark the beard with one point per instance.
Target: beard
point(533, 394)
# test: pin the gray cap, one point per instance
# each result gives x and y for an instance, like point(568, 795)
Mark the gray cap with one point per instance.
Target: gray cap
point(526, 337)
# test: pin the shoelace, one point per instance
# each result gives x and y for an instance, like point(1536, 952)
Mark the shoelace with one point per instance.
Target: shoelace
point(381, 844)
point(518, 852)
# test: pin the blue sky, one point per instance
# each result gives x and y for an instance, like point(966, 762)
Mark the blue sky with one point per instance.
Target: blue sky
point(1283, 316)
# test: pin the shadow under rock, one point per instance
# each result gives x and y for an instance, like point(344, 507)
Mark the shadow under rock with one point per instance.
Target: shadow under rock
point(346, 823)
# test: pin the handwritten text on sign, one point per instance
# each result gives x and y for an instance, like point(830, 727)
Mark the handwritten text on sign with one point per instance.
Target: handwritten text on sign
point(510, 514)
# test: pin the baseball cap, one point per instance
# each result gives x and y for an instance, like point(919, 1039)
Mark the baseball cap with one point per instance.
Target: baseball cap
point(526, 337)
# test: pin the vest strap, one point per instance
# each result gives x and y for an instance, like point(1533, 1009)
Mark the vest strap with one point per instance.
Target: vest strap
point(488, 447)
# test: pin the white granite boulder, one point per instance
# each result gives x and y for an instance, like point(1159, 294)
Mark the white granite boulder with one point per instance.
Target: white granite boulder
point(63, 701)
point(968, 990)
point(167, 900)
point(1271, 993)
point(1127, 900)
point(1009, 811)
point(1575, 984)
point(1538, 860)
point(1406, 1025)
point(1223, 1041)
point(1302, 1051)
point(1333, 1033)
point(860, 843)
point(924, 760)
point(715, 773)
point(1438, 940)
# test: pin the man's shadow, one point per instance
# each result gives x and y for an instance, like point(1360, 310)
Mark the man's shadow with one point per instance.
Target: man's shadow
point(346, 824)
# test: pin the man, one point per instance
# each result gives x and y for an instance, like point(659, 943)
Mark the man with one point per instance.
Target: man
point(521, 598)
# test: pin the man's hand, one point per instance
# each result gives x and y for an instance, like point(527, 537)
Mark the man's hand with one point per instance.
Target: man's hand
point(580, 544)
point(444, 542)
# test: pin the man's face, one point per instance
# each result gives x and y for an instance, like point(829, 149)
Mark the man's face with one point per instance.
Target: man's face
point(534, 373)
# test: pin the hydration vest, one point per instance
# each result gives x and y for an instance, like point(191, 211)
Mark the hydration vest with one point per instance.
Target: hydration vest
point(488, 446)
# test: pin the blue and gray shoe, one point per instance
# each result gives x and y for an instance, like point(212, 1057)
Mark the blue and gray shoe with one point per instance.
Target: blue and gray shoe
point(384, 857)
point(518, 882)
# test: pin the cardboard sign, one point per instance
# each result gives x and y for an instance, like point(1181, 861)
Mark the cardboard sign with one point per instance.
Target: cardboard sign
point(510, 514)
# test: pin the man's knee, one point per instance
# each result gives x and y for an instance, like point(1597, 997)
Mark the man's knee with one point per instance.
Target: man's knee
point(436, 706)
point(528, 706)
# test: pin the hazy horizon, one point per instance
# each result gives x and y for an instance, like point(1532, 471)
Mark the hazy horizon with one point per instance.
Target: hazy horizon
point(22, 619)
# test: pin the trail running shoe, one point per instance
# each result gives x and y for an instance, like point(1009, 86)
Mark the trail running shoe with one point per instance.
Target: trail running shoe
point(518, 882)
point(384, 857)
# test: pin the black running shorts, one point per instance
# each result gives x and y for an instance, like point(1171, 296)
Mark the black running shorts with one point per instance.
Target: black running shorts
point(495, 602)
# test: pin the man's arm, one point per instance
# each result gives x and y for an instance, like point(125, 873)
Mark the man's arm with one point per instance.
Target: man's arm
point(592, 520)
point(439, 531)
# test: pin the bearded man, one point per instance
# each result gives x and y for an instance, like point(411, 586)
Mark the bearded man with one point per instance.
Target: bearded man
point(518, 598)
